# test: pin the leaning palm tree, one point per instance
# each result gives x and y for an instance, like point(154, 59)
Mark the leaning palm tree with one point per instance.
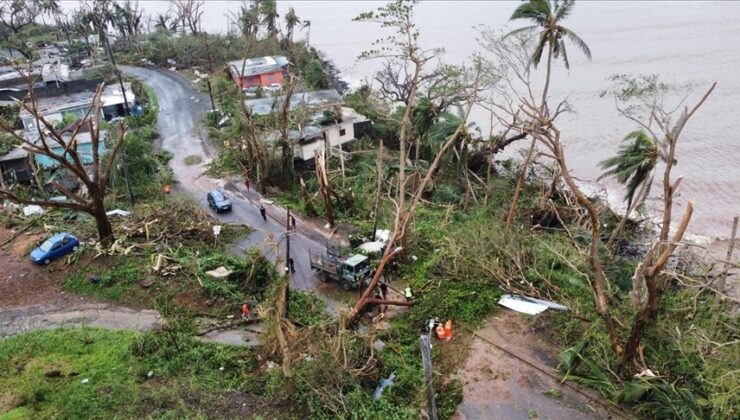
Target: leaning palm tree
point(268, 10)
point(547, 16)
point(291, 20)
point(633, 167)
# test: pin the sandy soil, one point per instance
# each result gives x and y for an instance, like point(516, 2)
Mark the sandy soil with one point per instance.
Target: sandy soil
point(500, 386)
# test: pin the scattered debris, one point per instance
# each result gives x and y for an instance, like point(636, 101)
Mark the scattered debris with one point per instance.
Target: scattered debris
point(645, 373)
point(382, 235)
point(94, 279)
point(32, 209)
point(379, 345)
point(118, 212)
point(85, 381)
point(219, 273)
point(146, 283)
point(383, 384)
point(150, 374)
point(372, 247)
point(528, 305)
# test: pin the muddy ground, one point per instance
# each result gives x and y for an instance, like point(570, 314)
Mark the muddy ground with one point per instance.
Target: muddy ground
point(31, 296)
point(497, 385)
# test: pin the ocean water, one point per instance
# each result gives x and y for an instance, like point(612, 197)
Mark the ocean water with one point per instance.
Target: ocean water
point(686, 43)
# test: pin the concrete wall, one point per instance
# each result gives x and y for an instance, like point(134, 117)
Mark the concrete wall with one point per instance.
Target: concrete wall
point(335, 135)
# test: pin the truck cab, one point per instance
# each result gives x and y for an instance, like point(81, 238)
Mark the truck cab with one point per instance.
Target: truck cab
point(355, 269)
point(351, 272)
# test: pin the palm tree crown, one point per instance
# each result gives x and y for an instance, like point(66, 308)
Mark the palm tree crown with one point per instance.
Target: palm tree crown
point(633, 163)
point(547, 16)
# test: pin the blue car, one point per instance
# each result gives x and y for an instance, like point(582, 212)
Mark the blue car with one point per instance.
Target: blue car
point(55, 247)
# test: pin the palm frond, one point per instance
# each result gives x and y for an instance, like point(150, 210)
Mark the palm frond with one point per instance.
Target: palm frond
point(537, 54)
point(537, 10)
point(633, 164)
point(581, 44)
point(520, 30)
point(561, 51)
point(562, 10)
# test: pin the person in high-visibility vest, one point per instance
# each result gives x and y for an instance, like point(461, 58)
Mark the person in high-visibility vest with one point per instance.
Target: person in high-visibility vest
point(407, 293)
point(245, 311)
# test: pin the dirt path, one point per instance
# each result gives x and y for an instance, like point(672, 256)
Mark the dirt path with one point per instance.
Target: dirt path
point(43, 317)
point(498, 385)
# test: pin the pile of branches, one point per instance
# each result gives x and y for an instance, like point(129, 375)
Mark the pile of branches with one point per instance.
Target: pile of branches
point(178, 222)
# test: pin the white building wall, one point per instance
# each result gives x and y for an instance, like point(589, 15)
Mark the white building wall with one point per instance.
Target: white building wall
point(334, 137)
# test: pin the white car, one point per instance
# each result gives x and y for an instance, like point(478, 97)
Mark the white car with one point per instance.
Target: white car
point(274, 87)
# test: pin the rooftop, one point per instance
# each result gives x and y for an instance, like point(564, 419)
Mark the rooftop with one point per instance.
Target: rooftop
point(15, 153)
point(111, 96)
point(316, 99)
point(259, 65)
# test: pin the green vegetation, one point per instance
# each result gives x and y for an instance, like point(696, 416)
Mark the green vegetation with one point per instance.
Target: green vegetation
point(91, 373)
point(315, 76)
point(480, 229)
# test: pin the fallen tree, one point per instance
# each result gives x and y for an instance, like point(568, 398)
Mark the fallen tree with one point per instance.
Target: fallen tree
point(93, 174)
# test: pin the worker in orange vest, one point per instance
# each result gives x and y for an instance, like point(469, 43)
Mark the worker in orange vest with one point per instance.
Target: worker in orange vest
point(245, 311)
point(167, 188)
point(448, 330)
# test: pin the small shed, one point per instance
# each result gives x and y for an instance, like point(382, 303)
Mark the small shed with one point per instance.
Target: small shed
point(15, 166)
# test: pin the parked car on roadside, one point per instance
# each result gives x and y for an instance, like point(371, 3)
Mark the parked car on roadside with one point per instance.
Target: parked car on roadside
point(274, 87)
point(218, 201)
point(55, 247)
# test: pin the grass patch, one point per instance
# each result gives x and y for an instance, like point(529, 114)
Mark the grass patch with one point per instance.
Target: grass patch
point(42, 375)
point(193, 160)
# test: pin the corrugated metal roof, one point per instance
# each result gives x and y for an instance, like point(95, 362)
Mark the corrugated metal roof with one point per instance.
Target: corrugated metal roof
point(259, 65)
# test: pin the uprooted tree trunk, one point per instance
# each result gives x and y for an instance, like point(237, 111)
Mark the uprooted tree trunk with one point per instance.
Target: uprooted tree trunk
point(92, 175)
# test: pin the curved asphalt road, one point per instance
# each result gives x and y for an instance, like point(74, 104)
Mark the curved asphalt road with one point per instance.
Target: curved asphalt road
point(182, 132)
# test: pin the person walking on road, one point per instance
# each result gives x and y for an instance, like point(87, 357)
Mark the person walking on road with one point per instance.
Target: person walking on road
point(292, 221)
point(291, 264)
point(246, 183)
point(263, 212)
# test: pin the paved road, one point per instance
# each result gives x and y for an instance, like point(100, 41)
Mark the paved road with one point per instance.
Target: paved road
point(182, 132)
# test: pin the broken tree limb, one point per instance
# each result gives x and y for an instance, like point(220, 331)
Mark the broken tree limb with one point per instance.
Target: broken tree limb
point(730, 249)
point(227, 325)
point(391, 302)
point(25, 228)
point(366, 295)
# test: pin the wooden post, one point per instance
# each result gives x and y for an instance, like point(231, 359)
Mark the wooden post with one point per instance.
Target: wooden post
point(426, 359)
point(728, 260)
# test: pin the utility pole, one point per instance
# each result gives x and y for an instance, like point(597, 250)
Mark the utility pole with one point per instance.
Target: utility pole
point(426, 359)
point(288, 265)
point(128, 112)
point(210, 71)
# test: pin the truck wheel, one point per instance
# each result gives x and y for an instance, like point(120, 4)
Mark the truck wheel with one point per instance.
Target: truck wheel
point(47, 261)
point(346, 286)
point(323, 277)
